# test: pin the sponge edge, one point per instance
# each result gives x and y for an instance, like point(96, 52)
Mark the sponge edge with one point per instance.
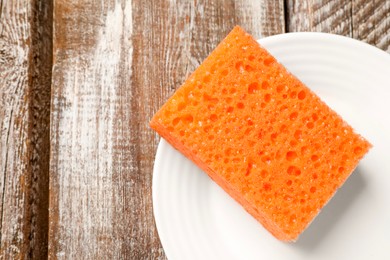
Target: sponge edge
point(261, 134)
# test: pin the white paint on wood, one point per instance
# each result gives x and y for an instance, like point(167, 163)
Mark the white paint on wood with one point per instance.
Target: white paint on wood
point(261, 18)
point(85, 108)
point(371, 22)
point(331, 16)
point(14, 55)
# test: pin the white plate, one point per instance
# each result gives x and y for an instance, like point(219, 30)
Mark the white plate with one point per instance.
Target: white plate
point(197, 220)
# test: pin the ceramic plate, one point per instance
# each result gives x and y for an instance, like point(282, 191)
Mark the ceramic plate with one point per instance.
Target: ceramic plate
point(197, 220)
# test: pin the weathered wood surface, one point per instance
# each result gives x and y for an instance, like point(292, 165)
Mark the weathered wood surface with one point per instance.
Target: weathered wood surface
point(331, 16)
point(365, 20)
point(371, 22)
point(115, 63)
point(25, 74)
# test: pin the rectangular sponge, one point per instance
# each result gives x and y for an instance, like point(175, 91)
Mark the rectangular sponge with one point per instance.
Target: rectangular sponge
point(261, 135)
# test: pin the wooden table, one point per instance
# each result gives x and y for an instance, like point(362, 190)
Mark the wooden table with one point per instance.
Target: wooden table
point(79, 81)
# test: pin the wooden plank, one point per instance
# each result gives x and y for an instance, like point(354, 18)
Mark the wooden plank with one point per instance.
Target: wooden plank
point(260, 18)
point(14, 129)
point(371, 22)
point(92, 131)
point(115, 63)
point(25, 65)
point(330, 16)
point(364, 20)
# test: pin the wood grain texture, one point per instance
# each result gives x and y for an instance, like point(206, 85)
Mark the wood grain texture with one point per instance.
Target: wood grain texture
point(364, 20)
point(115, 64)
point(25, 65)
point(330, 16)
point(260, 18)
point(93, 158)
point(371, 22)
point(14, 49)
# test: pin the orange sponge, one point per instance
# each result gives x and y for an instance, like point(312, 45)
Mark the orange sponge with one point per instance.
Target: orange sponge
point(261, 134)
